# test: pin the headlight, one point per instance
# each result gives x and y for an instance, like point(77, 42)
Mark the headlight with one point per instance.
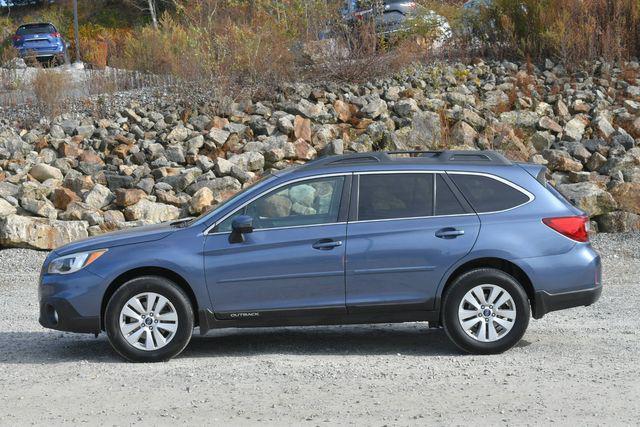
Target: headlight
point(71, 263)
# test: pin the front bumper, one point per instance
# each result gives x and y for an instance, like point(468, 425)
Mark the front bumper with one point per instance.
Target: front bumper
point(71, 302)
point(545, 302)
point(60, 315)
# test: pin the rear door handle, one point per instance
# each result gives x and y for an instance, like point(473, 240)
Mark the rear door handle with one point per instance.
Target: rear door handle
point(327, 244)
point(449, 233)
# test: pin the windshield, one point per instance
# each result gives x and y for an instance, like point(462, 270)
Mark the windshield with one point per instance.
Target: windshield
point(220, 207)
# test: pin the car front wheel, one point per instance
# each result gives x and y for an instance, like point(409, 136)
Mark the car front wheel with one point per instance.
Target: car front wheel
point(486, 311)
point(149, 319)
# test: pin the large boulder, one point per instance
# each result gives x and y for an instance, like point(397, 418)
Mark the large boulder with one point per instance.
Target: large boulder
point(39, 233)
point(151, 211)
point(589, 197)
point(618, 222)
point(627, 195)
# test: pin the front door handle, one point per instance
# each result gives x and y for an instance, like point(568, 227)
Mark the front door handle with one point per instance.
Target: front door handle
point(326, 244)
point(449, 233)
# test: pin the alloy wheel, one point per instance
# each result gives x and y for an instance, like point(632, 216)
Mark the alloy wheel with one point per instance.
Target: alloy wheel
point(487, 313)
point(148, 321)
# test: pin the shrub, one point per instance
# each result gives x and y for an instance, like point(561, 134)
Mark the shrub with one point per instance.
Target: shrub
point(51, 88)
point(568, 30)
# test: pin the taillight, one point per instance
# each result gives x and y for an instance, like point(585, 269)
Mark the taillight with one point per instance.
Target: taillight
point(55, 35)
point(17, 38)
point(574, 227)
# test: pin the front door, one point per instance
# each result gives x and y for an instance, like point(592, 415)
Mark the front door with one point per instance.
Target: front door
point(409, 229)
point(293, 261)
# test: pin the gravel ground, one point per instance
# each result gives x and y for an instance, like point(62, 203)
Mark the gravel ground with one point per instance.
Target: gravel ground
point(578, 367)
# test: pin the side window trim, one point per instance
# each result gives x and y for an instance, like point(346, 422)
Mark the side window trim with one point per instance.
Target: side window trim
point(355, 194)
point(347, 181)
point(516, 187)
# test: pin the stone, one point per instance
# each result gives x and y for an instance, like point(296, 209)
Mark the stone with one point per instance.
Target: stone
point(39, 233)
point(219, 136)
point(43, 172)
point(178, 134)
point(574, 129)
point(542, 140)
point(618, 222)
point(99, 197)
point(424, 134)
point(202, 200)
point(8, 189)
point(61, 197)
point(561, 161)
point(6, 208)
point(113, 216)
point(604, 127)
point(127, 197)
point(375, 108)
point(343, 111)
point(151, 211)
point(304, 151)
point(222, 166)
point(302, 128)
point(627, 195)
point(589, 197)
point(595, 162)
point(464, 135)
point(406, 107)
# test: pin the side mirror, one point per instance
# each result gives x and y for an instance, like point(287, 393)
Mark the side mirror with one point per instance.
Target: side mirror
point(241, 225)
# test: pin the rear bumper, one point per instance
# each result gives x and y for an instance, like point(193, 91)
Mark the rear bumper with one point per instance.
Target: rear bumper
point(545, 302)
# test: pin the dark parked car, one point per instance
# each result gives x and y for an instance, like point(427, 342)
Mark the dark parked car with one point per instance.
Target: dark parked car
point(465, 240)
point(41, 41)
point(395, 16)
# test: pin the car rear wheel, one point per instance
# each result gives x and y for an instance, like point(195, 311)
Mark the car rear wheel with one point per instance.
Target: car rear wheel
point(149, 319)
point(486, 311)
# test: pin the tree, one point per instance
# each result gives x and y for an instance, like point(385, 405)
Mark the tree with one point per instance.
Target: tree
point(149, 6)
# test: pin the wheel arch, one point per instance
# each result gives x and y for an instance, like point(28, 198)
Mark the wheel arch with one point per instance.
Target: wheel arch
point(492, 262)
point(148, 271)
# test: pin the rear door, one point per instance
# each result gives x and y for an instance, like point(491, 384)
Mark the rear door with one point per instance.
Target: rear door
point(405, 230)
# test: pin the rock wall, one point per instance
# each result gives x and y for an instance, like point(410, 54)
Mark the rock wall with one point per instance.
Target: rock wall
point(79, 175)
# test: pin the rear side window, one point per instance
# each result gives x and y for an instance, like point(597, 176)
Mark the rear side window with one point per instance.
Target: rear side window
point(36, 29)
point(446, 202)
point(395, 196)
point(487, 194)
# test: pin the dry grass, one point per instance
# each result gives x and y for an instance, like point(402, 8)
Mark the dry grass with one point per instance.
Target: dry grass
point(568, 30)
point(51, 89)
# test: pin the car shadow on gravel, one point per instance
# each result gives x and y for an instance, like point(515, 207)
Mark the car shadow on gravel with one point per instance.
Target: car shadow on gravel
point(410, 339)
point(20, 348)
point(33, 347)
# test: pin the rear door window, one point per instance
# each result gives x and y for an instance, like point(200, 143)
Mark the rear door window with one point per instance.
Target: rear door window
point(446, 202)
point(486, 194)
point(389, 196)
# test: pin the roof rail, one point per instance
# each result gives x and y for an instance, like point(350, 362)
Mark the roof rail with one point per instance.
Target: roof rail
point(420, 156)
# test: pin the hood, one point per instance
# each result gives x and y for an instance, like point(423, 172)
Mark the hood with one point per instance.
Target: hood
point(147, 233)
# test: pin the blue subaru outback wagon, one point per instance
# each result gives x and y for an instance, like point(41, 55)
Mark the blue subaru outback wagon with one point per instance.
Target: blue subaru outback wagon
point(467, 241)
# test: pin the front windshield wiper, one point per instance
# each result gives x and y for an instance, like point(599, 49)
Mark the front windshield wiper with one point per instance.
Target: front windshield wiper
point(181, 223)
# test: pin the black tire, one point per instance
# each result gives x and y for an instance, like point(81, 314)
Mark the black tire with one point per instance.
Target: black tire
point(456, 292)
point(167, 289)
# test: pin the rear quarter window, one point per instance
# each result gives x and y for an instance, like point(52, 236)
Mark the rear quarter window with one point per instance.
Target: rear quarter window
point(486, 194)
